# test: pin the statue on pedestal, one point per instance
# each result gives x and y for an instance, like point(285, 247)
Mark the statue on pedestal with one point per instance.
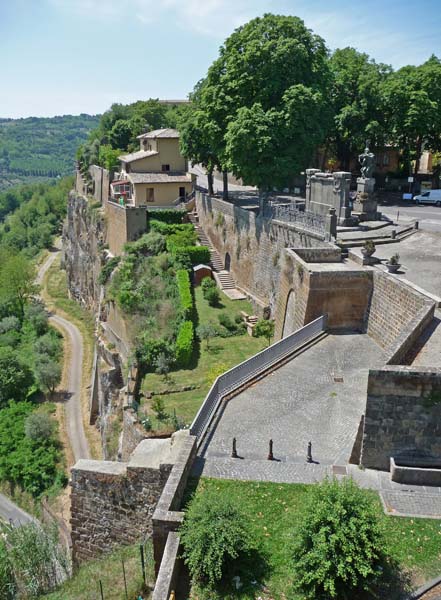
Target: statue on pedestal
point(367, 161)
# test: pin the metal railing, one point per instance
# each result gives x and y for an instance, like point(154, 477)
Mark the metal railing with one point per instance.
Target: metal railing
point(249, 369)
point(290, 214)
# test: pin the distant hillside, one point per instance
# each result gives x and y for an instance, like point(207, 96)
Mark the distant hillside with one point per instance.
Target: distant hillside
point(37, 149)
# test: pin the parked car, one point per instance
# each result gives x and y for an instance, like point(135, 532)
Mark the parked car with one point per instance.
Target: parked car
point(429, 197)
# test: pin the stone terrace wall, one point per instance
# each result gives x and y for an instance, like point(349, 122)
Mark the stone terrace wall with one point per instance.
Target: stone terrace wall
point(308, 291)
point(254, 244)
point(124, 224)
point(392, 308)
point(403, 415)
point(112, 504)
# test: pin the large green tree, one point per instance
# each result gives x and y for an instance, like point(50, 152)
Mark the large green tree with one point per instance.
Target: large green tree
point(356, 103)
point(265, 99)
point(412, 98)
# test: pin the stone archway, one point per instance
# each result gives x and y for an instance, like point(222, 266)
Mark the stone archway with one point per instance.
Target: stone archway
point(288, 322)
point(227, 262)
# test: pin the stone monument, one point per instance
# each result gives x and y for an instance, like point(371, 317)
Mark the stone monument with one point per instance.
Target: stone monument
point(365, 204)
point(325, 191)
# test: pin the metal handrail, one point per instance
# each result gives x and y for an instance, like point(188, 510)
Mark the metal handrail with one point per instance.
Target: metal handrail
point(289, 213)
point(248, 370)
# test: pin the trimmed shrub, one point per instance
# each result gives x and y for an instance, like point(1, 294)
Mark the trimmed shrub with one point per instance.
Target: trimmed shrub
point(184, 288)
point(212, 296)
point(181, 239)
point(198, 254)
point(184, 344)
point(339, 544)
point(168, 215)
point(215, 534)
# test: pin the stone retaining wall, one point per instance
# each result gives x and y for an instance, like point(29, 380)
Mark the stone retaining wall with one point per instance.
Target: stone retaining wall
point(393, 308)
point(124, 224)
point(112, 504)
point(403, 415)
point(253, 245)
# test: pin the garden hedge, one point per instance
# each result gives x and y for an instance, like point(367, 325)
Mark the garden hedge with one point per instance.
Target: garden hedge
point(184, 344)
point(185, 295)
point(168, 215)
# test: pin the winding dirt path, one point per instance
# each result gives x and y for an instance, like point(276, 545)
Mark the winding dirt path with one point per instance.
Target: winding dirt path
point(73, 412)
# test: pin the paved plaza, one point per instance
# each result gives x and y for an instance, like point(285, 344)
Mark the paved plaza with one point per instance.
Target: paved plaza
point(319, 396)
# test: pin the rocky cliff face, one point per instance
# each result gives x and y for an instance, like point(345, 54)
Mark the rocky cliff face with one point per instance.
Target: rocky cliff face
point(83, 245)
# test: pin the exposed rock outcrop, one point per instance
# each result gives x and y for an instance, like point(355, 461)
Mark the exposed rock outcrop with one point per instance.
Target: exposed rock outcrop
point(83, 245)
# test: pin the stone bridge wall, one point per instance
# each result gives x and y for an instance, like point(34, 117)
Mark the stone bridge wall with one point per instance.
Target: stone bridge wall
point(255, 245)
point(403, 415)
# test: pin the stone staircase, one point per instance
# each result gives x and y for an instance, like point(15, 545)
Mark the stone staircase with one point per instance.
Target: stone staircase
point(222, 277)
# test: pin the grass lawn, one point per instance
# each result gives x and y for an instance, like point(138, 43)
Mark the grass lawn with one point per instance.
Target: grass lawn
point(84, 585)
point(274, 511)
point(222, 354)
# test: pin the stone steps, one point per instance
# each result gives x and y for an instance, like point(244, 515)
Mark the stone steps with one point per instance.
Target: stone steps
point(222, 277)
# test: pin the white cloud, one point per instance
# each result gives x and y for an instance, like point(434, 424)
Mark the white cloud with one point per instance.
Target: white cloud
point(215, 18)
point(350, 24)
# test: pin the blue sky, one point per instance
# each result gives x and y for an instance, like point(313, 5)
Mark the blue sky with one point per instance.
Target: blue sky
point(73, 56)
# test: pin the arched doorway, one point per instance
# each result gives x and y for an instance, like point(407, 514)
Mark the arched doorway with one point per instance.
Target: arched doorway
point(227, 261)
point(288, 323)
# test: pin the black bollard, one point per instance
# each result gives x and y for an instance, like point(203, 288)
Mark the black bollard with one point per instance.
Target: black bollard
point(234, 452)
point(270, 453)
point(309, 453)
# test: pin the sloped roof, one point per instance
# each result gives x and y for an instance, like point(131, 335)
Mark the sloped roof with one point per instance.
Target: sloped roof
point(137, 155)
point(169, 177)
point(160, 133)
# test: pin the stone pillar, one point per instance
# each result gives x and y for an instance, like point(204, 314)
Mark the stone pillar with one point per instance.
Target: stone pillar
point(366, 202)
point(342, 183)
point(309, 174)
point(331, 223)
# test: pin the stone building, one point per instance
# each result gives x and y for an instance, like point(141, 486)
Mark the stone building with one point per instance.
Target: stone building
point(155, 175)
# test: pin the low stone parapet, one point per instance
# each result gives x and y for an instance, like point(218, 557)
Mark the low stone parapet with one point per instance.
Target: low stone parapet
point(416, 471)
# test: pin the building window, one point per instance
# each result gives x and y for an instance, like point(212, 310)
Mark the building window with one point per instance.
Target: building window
point(150, 195)
point(166, 167)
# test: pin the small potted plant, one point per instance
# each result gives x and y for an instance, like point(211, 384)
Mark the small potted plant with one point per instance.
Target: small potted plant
point(368, 248)
point(393, 264)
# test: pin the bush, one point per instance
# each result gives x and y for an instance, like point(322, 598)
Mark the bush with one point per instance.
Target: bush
point(166, 229)
point(148, 350)
point(33, 560)
point(212, 296)
point(206, 331)
point(167, 215)
point(339, 543)
point(226, 322)
point(185, 295)
point(16, 378)
point(198, 254)
point(150, 244)
point(107, 269)
point(39, 426)
point(37, 316)
point(214, 535)
point(49, 345)
point(8, 324)
point(206, 284)
point(181, 239)
point(184, 344)
point(158, 407)
point(264, 328)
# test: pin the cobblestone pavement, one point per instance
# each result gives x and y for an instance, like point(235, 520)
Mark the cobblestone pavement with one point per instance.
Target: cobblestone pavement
point(319, 396)
point(412, 503)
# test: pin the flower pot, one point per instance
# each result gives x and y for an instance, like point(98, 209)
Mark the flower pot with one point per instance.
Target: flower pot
point(367, 252)
point(392, 267)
